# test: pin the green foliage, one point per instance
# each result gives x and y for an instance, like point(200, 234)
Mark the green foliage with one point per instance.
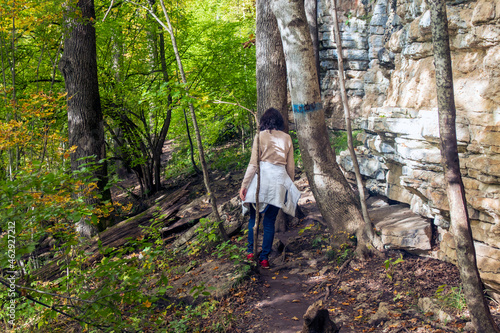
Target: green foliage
point(190, 318)
point(109, 296)
point(307, 227)
point(452, 297)
point(339, 140)
point(228, 158)
point(344, 255)
point(341, 254)
point(44, 198)
point(296, 153)
point(318, 241)
point(348, 16)
point(206, 236)
point(390, 266)
point(42, 203)
point(208, 240)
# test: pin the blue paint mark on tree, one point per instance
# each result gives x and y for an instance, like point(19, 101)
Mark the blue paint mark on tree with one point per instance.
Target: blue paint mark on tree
point(304, 108)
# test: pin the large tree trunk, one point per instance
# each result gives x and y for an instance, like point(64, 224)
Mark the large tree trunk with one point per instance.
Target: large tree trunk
point(311, 8)
point(271, 73)
point(460, 223)
point(271, 66)
point(334, 197)
point(79, 68)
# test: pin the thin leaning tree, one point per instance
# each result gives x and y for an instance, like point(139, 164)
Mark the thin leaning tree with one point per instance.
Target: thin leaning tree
point(347, 117)
point(460, 223)
point(206, 179)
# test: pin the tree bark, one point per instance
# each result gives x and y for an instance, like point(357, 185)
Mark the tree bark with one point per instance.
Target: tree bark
point(271, 66)
point(460, 224)
point(334, 197)
point(311, 8)
point(271, 73)
point(85, 120)
point(191, 146)
point(213, 199)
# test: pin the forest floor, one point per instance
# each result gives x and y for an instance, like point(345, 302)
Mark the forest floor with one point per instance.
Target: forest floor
point(358, 295)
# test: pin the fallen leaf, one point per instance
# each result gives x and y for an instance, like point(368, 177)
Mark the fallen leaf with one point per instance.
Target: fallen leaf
point(295, 318)
point(296, 301)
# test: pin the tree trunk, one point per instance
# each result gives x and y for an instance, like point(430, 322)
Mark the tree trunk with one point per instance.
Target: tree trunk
point(116, 38)
point(191, 146)
point(85, 120)
point(271, 65)
point(213, 199)
point(271, 73)
point(460, 223)
point(311, 8)
point(334, 197)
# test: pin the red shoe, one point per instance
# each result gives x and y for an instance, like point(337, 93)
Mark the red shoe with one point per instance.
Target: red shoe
point(264, 263)
point(250, 256)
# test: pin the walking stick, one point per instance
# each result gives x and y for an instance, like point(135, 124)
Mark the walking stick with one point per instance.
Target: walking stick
point(257, 206)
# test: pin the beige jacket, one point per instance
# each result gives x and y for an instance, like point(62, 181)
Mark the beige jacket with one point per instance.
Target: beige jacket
point(276, 148)
point(276, 188)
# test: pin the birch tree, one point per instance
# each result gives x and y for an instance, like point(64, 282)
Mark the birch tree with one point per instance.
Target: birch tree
point(460, 223)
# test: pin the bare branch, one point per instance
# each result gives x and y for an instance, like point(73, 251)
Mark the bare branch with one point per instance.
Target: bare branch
point(109, 9)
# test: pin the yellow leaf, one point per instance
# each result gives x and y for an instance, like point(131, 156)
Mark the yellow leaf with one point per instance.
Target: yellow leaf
point(147, 304)
point(295, 318)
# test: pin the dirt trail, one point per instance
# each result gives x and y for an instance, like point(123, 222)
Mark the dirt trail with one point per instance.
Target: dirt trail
point(358, 295)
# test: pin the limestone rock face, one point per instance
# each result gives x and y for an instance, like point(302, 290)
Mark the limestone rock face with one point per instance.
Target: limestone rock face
point(391, 86)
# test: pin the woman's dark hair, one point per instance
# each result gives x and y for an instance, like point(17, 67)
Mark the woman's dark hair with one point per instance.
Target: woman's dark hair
point(272, 120)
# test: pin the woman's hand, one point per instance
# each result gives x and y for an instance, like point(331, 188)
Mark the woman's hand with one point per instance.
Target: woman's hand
point(243, 194)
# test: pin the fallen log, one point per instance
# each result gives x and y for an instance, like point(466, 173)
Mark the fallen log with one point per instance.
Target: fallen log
point(119, 234)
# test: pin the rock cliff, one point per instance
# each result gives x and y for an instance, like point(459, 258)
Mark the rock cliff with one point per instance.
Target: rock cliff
point(391, 86)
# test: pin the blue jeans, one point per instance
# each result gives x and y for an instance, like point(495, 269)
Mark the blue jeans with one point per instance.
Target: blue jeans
point(270, 213)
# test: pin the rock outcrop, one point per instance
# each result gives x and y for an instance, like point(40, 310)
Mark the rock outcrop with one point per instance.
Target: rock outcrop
point(391, 89)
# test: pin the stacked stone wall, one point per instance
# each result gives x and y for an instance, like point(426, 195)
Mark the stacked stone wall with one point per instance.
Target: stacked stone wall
point(391, 88)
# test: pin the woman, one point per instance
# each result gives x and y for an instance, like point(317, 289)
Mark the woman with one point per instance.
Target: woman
point(276, 186)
